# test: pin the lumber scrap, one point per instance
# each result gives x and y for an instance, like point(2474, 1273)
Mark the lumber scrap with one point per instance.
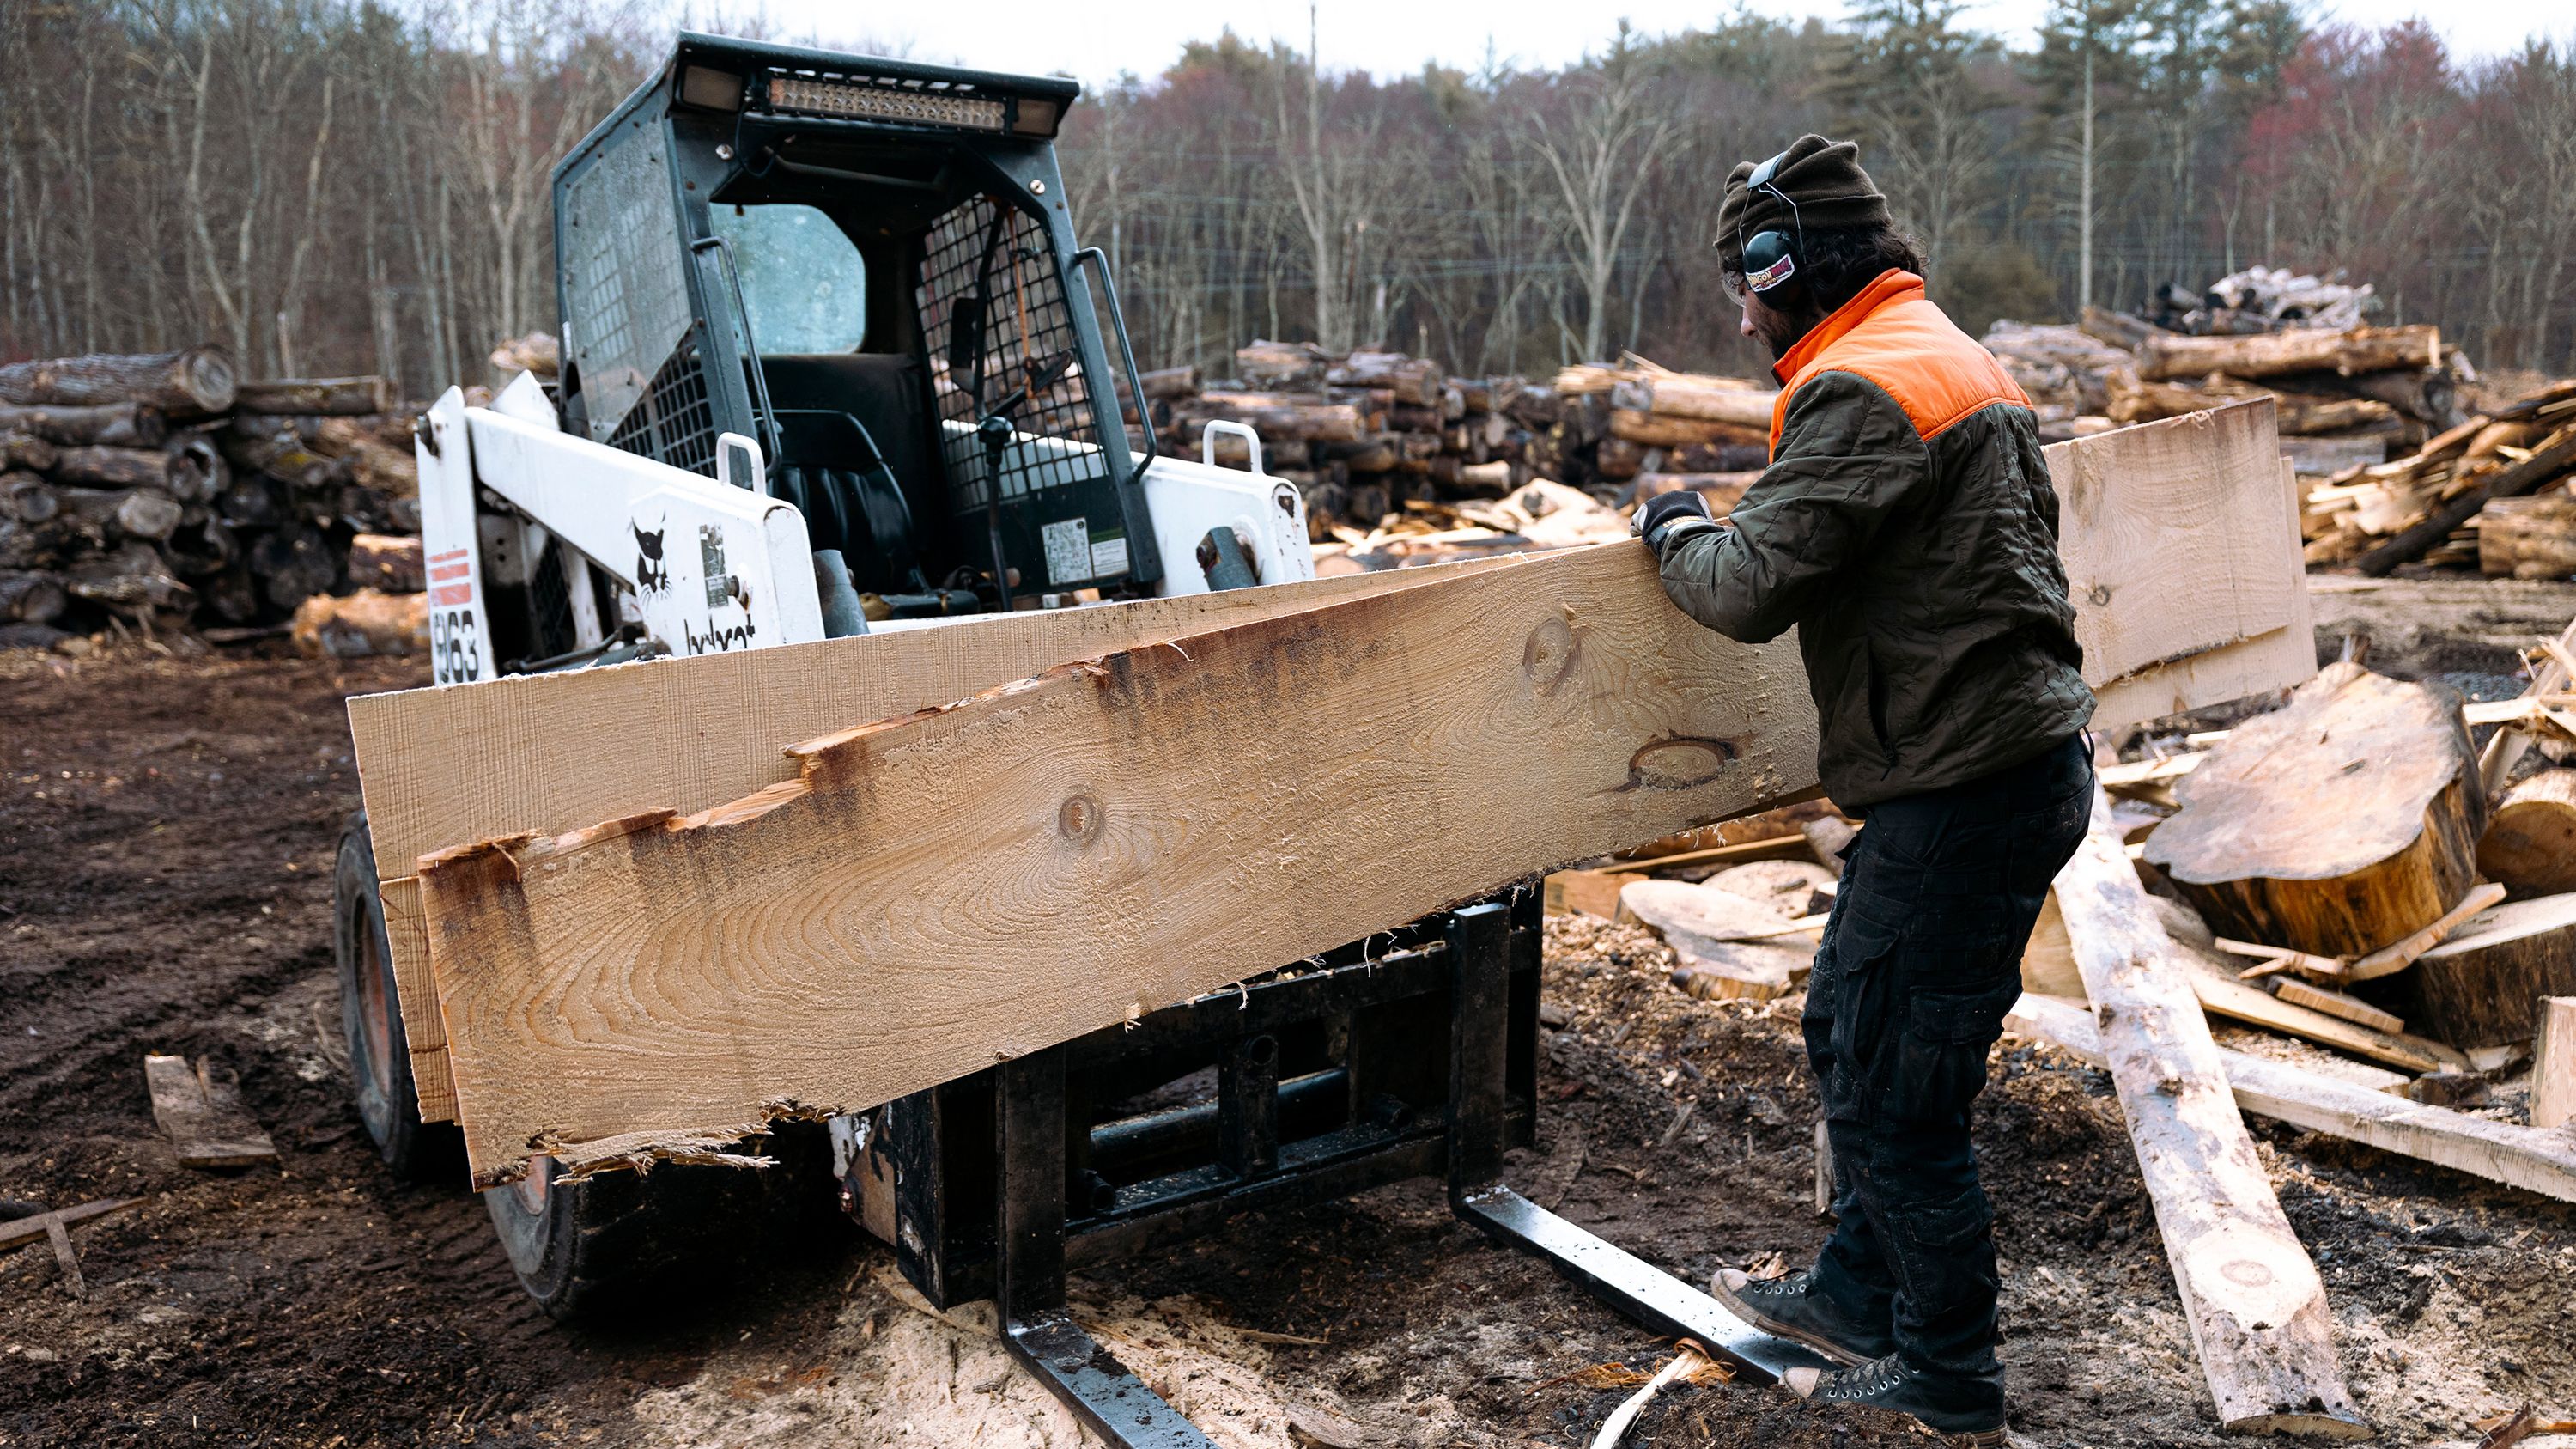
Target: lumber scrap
point(937, 892)
point(1585, 892)
point(1728, 946)
point(2390, 760)
point(2222, 995)
point(2256, 1306)
point(2532, 1159)
point(2553, 1065)
point(2482, 986)
point(202, 1115)
point(2549, 675)
point(2339, 1004)
point(688, 734)
point(53, 1227)
point(2530, 843)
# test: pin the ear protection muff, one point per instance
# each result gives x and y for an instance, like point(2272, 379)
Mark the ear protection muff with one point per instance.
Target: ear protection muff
point(1771, 257)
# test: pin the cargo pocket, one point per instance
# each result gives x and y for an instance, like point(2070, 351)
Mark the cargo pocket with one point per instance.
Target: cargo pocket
point(1960, 993)
point(1856, 972)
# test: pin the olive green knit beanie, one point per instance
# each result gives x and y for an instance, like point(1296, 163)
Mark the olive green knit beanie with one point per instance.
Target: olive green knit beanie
point(1822, 177)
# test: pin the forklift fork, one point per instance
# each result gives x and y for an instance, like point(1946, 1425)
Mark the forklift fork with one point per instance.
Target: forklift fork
point(1031, 1128)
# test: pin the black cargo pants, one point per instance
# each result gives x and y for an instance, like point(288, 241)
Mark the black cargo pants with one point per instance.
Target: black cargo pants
point(1920, 962)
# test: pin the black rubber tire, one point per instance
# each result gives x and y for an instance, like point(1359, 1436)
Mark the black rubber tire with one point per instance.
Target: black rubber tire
point(371, 1023)
point(629, 1244)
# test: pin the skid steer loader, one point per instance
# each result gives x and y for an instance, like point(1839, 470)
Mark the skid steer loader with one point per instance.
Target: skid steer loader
point(831, 364)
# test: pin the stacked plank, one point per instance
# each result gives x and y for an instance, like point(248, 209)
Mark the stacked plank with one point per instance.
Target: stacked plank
point(1360, 434)
point(160, 491)
point(2509, 466)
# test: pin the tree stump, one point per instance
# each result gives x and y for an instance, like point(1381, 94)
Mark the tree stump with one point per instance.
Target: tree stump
point(2337, 824)
point(2483, 986)
point(2530, 844)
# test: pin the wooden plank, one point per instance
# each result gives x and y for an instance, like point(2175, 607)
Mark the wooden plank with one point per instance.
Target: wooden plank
point(2147, 518)
point(2337, 1004)
point(937, 891)
point(553, 752)
point(2553, 1064)
point(2533, 1159)
point(1585, 892)
point(550, 753)
point(2237, 1001)
point(2256, 1306)
point(202, 1115)
point(19, 1231)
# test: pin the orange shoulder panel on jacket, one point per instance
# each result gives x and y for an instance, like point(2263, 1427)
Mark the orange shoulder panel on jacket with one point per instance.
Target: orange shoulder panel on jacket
point(1892, 334)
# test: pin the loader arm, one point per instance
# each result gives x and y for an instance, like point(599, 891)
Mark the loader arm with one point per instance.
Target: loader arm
point(705, 566)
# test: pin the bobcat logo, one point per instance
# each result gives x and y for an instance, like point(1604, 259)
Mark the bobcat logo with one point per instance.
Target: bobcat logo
point(651, 575)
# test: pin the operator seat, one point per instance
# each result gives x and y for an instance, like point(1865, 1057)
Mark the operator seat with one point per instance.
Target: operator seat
point(855, 458)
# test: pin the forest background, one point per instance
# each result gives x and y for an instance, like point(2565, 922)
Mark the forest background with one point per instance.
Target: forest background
point(342, 186)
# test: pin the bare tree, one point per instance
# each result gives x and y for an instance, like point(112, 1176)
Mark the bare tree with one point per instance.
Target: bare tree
point(1601, 150)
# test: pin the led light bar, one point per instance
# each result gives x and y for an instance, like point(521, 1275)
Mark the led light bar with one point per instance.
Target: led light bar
point(885, 103)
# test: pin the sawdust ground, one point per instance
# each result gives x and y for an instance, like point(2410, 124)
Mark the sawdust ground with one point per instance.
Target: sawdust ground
point(165, 833)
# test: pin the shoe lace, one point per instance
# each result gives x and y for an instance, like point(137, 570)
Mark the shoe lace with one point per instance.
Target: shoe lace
point(1869, 1380)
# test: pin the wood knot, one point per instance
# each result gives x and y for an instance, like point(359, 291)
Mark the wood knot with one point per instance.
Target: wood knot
point(1548, 657)
point(1678, 762)
point(1079, 818)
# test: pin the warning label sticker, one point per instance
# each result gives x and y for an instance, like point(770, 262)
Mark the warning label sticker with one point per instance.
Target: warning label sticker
point(1108, 555)
point(1068, 551)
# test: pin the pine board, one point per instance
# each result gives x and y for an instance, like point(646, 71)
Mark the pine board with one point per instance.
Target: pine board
point(2161, 534)
point(552, 753)
point(2256, 1307)
point(937, 892)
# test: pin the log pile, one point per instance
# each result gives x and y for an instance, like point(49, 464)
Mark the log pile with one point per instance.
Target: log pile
point(1386, 446)
point(2421, 928)
point(161, 492)
point(2508, 468)
point(1361, 434)
point(2345, 395)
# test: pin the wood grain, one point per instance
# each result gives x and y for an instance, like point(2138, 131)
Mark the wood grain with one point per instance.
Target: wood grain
point(2553, 1066)
point(937, 892)
point(2336, 825)
point(2164, 535)
point(2256, 1306)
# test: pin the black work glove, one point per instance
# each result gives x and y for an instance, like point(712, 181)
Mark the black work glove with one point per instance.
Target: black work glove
point(1656, 518)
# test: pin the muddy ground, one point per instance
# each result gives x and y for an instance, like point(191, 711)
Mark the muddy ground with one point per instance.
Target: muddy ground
point(167, 826)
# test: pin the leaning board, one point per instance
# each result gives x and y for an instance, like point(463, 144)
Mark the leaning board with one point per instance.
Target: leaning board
point(938, 892)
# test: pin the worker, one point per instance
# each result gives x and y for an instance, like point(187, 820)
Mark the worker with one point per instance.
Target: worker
point(1906, 528)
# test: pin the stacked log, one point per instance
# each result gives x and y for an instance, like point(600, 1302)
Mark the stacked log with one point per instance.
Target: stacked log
point(161, 492)
point(2360, 387)
point(2433, 505)
point(1363, 435)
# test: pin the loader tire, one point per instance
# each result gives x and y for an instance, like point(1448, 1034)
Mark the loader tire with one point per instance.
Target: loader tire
point(371, 1023)
point(672, 1240)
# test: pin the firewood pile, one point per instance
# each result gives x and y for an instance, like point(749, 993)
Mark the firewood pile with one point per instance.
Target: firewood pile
point(1400, 463)
point(2489, 493)
point(2347, 396)
point(159, 492)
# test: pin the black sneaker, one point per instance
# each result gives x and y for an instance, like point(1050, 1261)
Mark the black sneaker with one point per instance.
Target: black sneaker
point(1790, 1308)
point(1969, 1412)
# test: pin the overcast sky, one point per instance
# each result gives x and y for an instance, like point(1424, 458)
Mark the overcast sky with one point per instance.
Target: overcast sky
point(1096, 40)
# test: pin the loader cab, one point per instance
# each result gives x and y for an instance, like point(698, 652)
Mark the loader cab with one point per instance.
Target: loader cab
point(867, 266)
